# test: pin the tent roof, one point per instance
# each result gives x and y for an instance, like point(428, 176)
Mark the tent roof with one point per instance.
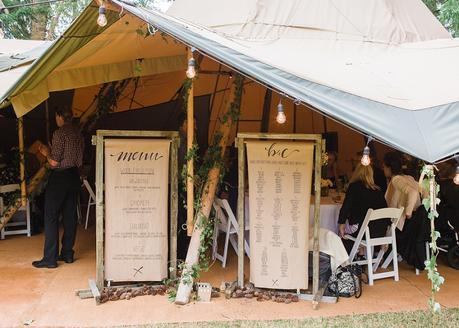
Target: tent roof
point(384, 67)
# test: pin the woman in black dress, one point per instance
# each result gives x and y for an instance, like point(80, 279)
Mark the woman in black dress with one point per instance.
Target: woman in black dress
point(361, 195)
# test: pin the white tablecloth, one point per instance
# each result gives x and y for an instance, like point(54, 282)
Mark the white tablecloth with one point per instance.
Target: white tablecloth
point(329, 213)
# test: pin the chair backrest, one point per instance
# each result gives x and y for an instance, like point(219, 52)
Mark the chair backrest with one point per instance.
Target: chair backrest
point(89, 189)
point(223, 210)
point(372, 215)
point(9, 188)
point(6, 189)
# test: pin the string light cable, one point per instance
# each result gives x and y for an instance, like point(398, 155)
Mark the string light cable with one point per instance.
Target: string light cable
point(4, 10)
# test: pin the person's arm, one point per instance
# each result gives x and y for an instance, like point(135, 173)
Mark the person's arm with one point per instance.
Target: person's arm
point(55, 154)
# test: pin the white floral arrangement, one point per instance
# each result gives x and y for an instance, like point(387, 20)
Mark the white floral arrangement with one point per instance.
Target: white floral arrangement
point(326, 183)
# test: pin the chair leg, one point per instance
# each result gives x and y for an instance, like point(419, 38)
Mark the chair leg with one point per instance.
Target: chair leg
point(2, 233)
point(225, 250)
point(369, 264)
point(394, 256)
point(28, 218)
point(378, 259)
point(87, 212)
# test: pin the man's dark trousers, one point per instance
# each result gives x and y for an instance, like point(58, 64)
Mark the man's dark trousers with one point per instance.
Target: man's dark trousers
point(61, 197)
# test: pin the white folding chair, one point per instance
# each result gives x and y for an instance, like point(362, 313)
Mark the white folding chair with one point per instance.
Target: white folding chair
point(91, 200)
point(369, 243)
point(16, 220)
point(226, 222)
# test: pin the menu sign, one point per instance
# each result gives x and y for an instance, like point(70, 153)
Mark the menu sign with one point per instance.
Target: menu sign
point(136, 207)
point(280, 174)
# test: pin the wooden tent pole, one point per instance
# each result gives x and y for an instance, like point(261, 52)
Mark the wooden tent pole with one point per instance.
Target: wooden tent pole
point(190, 166)
point(22, 161)
point(207, 197)
point(48, 135)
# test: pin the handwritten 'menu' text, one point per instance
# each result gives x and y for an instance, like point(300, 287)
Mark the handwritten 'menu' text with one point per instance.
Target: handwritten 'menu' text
point(137, 156)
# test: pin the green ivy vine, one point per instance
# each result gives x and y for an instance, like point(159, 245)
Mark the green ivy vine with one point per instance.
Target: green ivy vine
point(430, 202)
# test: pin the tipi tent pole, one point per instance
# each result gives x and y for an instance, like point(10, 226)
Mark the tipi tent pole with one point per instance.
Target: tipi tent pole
point(190, 168)
point(22, 161)
point(207, 199)
point(48, 138)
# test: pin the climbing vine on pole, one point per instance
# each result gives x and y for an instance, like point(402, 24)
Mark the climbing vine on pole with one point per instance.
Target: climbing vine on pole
point(430, 202)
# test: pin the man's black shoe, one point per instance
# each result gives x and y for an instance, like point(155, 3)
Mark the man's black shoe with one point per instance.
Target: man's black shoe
point(44, 264)
point(66, 259)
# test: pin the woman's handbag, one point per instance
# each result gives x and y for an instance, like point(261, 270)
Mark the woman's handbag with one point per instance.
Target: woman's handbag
point(346, 281)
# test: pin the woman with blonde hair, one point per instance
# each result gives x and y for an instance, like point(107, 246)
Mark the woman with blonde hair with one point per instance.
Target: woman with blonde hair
point(361, 195)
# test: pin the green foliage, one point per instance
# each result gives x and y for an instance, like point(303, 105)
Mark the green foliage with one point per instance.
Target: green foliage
point(447, 12)
point(52, 18)
point(430, 202)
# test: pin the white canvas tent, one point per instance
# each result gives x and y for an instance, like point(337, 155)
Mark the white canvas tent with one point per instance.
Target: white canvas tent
point(384, 67)
point(16, 56)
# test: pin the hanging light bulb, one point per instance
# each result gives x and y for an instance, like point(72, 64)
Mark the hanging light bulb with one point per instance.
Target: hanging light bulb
point(191, 71)
point(365, 161)
point(102, 20)
point(280, 118)
point(456, 177)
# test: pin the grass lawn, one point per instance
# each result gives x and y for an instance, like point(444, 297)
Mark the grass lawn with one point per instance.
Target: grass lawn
point(447, 318)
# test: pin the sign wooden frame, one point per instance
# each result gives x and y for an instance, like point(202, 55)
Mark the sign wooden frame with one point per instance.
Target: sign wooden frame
point(318, 148)
point(98, 141)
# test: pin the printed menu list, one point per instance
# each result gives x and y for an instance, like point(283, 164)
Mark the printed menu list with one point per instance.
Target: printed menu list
point(136, 200)
point(280, 176)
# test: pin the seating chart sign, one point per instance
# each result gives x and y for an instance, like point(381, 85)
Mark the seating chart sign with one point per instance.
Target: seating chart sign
point(280, 174)
point(136, 209)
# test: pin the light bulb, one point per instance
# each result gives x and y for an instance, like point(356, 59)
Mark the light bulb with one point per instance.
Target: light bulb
point(365, 161)
point(456, 177)
point(191, 71)
point(102, 20)
point(280, 118)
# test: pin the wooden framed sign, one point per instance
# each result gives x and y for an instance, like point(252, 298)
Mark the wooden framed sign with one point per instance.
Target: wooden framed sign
point(280, 174)
point(136, 205)
point(280, 170)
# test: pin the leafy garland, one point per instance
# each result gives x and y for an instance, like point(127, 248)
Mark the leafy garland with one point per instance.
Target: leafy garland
point(212, 159)
point(430, 201)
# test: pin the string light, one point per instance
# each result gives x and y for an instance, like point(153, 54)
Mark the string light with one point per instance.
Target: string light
point(366, 160)
point(102, 19)
point(280, 118)
point(191, 71)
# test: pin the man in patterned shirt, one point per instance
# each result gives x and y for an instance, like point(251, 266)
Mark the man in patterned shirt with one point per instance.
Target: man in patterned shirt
point(65, 158)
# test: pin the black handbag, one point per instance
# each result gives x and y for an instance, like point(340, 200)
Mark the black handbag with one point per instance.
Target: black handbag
point(346, 281)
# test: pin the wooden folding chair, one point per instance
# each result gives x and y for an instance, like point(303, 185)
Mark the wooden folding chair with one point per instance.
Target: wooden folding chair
point(226, 222)
point(369, 243)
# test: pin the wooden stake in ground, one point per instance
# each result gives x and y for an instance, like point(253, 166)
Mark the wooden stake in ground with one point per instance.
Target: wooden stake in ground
point(208, 194)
